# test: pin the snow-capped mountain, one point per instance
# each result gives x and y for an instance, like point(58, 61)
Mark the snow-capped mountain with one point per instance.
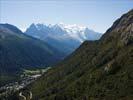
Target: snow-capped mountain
point(62, 36)
point(80, 33)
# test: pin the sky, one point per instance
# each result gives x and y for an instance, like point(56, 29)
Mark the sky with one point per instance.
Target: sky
point(97, 15)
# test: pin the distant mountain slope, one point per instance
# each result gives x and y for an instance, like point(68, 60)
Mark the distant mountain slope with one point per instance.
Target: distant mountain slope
point(97, 70)
point(63, 37)
point(18, 51)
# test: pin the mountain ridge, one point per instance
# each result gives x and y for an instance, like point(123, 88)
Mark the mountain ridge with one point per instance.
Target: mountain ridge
point(66, 37)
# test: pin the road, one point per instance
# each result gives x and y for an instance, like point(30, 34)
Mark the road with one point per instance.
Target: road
point(24, 97)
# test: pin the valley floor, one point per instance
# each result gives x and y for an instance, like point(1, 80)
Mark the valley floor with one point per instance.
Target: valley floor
point(27, 77)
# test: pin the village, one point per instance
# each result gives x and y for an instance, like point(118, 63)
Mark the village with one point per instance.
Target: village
point(26, 79)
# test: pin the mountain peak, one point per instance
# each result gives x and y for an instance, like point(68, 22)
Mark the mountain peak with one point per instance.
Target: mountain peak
point(62, 36)
point(77, 32)
point(32, 25)
point(11, 27)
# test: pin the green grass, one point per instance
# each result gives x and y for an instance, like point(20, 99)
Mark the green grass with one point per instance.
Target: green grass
point(35, 71)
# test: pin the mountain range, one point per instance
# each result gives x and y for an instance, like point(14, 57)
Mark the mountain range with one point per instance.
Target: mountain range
point(19, 51)
point(97, 70)
point(40, 46)
point(62, 36)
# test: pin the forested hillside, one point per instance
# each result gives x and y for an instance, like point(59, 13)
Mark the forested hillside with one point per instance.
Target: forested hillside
point(97, 70)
